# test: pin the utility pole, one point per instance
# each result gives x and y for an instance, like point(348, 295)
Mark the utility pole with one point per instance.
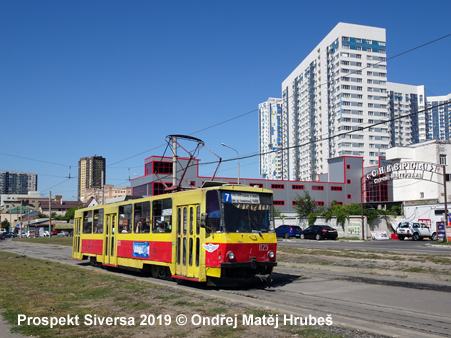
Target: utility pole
point(103, 188)
point(21, 218)
point(174, 161)
point(446, 203)
point(50, 214)
point(361, 207)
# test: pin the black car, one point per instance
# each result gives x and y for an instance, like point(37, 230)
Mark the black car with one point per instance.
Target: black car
point(2, 236)
point(319, 232)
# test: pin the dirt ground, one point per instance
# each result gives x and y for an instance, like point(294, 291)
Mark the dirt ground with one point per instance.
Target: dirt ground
point(422, 267)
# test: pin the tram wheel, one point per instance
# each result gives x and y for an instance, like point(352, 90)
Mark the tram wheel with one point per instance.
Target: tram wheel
point(155, 271)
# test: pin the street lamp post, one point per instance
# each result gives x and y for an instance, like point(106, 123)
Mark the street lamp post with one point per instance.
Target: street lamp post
point(237, 159)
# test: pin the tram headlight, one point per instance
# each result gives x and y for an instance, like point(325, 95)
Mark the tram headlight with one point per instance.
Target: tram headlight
point(230, 256)
point(271, 254)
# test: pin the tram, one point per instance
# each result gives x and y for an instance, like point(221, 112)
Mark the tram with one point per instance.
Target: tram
point(215, 233)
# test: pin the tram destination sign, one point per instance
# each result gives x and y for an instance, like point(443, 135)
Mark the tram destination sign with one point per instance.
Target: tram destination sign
point(244, 198)
point(403, 170)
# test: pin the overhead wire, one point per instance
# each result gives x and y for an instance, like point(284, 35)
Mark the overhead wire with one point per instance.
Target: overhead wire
point(359, 129)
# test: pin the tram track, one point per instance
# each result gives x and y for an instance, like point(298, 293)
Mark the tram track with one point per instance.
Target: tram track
point(387, 320)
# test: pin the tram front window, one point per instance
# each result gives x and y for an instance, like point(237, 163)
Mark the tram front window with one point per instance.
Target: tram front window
point(247, 218)
point(245, 212)
point(240, 212)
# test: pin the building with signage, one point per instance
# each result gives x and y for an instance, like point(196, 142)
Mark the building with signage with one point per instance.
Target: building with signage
point(420, 176)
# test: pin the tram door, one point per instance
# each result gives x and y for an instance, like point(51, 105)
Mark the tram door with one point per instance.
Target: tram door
point(110, 247)
point(76, 239)
point(188, 241)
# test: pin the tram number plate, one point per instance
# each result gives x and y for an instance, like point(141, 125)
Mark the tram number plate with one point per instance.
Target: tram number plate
point(263, 247)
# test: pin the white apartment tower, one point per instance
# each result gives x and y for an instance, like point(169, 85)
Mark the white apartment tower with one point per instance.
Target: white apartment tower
point(406, 104)
point(270, 142)
point(339, 88)
point(439, 118)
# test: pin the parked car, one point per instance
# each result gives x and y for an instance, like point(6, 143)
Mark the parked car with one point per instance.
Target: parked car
point(416, 230)
point(319, 232)
point(54, 232)
point(63, 234)
point(9, 235)
point(288, 231)
point(2, 236)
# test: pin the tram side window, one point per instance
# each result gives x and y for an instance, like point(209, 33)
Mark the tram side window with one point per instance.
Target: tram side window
point(125, 218)
point(98, 221)
point(162, 215)
point(213, 211)
point(87, 222)
point(142, 217)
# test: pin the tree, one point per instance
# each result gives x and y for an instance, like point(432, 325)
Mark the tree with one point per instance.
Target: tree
point(5, 224)
point(70, 214)
point(278, 213)
point(341, 212)
point(306, 207)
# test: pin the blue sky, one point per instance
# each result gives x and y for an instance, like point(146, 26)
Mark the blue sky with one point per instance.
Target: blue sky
point(114, 78)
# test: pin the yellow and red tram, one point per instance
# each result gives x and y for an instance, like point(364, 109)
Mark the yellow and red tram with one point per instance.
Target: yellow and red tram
point(215, 232)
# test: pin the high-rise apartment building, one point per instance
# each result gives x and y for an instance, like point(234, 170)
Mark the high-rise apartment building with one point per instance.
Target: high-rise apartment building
point(438, 118)
point(406, 104)
point(91, 170)
point(270, 125)
point(339, 87)
point(13, 182)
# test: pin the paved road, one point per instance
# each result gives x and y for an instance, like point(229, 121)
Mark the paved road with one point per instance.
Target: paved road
point(396, 246)
point(383, 305)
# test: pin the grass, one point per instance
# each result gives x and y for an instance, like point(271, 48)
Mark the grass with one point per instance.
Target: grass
point(43, 289)
point(441, 243)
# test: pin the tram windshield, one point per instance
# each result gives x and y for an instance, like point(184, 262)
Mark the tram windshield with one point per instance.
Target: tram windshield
point(240, 212)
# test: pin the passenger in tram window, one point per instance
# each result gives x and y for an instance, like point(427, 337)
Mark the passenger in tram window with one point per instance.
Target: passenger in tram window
point(124, 229)
point(139, 227)
point(160, 226)
point(146, 227)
